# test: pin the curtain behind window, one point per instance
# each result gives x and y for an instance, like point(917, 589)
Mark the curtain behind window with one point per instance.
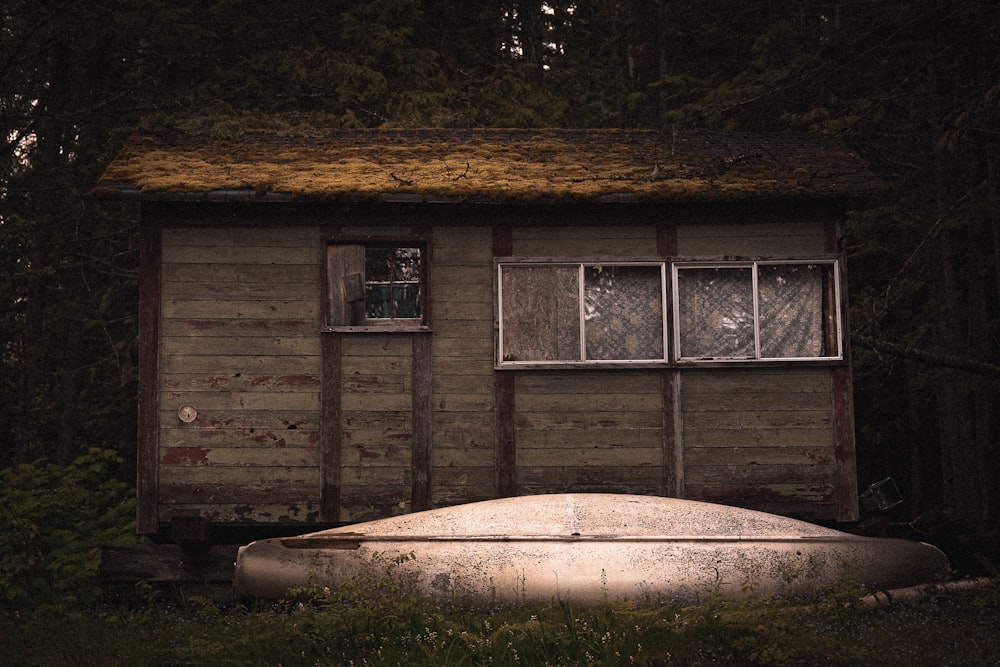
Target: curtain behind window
point(623, 312)
point(716, 313)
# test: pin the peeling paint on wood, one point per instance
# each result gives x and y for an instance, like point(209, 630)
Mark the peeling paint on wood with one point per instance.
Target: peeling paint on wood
point(184, 456)
point(239, 321)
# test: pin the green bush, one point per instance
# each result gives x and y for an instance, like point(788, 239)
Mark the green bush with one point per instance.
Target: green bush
point(53, 521)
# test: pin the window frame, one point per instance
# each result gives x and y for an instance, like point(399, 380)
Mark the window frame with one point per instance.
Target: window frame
point(376, 325)
point(581, 266)
point(832, 303)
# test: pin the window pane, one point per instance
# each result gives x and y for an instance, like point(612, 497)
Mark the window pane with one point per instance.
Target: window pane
point(792, 310)
point(715, 316)
point(623, 312)
point(540, 312)
point(379, 264)
point(392, 282)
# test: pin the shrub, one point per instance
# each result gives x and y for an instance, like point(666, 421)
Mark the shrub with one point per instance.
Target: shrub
point(53, 520)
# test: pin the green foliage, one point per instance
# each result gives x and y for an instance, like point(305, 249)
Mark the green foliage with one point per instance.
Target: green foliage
point(913, 85)
point(344, 629)
point(53, 520)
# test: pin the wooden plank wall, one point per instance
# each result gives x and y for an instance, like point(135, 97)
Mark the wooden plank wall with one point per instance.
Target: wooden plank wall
point(239, 320)
point(463, 457)
point(759, 239)
point(377, 426)
point(760, 438)
point(588, 431)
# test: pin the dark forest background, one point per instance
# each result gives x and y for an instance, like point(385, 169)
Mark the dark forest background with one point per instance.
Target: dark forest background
point(912, 85)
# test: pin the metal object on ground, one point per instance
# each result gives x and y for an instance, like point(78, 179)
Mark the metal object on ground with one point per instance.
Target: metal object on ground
point(883, 494)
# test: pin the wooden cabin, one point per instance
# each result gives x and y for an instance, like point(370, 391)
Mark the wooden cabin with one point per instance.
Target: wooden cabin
point(344, 327)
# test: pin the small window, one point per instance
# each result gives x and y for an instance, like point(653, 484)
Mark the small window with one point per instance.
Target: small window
point(757, 311)
point(376, 285)
point(574, 313)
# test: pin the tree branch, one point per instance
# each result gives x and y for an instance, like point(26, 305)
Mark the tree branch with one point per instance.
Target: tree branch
point(938, 359)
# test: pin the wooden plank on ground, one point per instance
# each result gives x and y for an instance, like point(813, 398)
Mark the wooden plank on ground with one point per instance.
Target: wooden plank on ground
point(166, 563)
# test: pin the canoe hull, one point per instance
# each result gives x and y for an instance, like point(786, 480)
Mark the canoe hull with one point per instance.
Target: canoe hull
point(765, 555)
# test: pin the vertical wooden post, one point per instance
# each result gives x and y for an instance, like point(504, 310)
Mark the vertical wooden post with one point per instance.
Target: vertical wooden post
point(845, 492)
point(422, 421)
point(504, 404)
point(330, 434)
point(673, 446)
point(148, 436)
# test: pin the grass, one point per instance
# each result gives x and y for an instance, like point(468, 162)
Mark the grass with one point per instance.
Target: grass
point(357, 626)
point(54, 612)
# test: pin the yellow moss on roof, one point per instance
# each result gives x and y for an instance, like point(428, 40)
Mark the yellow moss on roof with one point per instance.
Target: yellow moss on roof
point(491, 165)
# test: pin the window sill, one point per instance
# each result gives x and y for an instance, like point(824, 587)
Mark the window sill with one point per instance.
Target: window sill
point(677, 365)
point(758, 363)
point(382, 328)
point(580, 365)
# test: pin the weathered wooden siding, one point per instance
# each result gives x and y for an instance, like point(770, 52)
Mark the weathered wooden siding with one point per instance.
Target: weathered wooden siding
point(585, 242)
point(751, 240)
point(238, 320)
point(377, 426)
point(588, 430)
point(760, 438)
point(463, 459)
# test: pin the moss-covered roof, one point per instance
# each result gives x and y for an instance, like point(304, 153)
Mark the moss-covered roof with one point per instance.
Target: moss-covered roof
point(488, 166)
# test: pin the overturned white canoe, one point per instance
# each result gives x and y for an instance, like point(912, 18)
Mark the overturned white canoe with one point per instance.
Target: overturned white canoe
point(586, 548)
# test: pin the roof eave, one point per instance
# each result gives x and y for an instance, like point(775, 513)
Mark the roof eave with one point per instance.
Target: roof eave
point(131, 193)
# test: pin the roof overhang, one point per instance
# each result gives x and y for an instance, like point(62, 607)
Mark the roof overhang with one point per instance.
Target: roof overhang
point(488, 167)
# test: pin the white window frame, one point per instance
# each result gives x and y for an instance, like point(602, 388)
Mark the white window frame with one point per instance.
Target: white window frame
point(754, 265)
point(582, 360)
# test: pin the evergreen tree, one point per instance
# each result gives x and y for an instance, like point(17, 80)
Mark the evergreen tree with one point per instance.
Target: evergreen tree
point(913, 85)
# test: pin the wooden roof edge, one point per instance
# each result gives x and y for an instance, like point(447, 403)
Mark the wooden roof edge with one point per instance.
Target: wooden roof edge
point(130, 194)
point(836, 172)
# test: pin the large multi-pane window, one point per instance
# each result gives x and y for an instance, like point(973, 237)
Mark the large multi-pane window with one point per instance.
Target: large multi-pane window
point(756, 311)
point(376, 284)
point(583, 313)
point(579, 313)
